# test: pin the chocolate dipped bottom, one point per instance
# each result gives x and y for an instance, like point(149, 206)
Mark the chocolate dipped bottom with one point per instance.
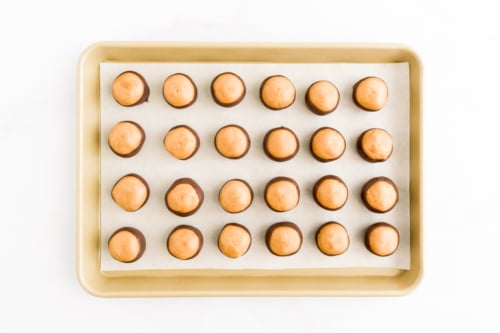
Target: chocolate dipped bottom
point(327, 144)
point(126, 244)
point(232, 141)
point(179, 91)
point(184, 242)
point(234, 240)
point(281, 144)
point(130, 89)
point(322, 97)
point(228, 89)
point(330, 192)
point(382, 239)
point(375, 145)
point(282, 194)
point(181, 142)
point(126, 138)
point(380, 194)
point(184, 197)
point(370, 93)
point(235, 196)
point(332, 239)
point(130, 192)
point(277, 92)
point(284, 239)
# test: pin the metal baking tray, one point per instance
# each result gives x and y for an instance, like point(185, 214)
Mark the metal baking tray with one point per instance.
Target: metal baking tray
point(214, 282)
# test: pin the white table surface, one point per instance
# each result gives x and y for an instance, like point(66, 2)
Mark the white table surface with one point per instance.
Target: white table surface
point(41, 43)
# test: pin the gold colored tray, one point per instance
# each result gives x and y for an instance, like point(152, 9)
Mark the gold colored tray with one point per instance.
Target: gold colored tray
point(296, 282)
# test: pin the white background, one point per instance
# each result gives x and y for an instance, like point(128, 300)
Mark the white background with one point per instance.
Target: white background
point(41, 43)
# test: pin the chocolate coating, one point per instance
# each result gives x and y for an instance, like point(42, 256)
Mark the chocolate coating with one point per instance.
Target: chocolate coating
point(322, 97)
point(130, 89)
point(327, 144)
point(232, 141)
point(180, 145)
point(284, 239)
point(332, 239)
point(184, 242)
point(277, 92)
point(330, 198)
point(175, 200)
point(126, 244)
point(276, 198)
point(375, 145)
point(228, 89)
point(179, 91)
point(380, 194)
point(234, 240)
point(277, 144)
point(130, 192)
point(370, 93)
point(126, 138)
point(382, 239)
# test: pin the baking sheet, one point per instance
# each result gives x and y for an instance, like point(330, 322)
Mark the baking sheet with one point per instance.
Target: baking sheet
point(211, 170)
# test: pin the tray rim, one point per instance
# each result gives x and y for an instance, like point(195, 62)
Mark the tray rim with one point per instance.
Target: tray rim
point(366, 282)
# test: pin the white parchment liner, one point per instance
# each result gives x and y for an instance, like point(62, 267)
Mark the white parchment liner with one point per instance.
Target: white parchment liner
point(210, 170)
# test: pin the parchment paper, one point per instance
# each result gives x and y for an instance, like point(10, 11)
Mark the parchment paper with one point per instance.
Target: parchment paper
point(210, 170)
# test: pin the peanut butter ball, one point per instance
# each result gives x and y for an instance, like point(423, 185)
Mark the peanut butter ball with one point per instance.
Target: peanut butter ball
point(382, 239)
point(332, 239)
point(185, 242)
point(126, 244)
point(281, 144)
point(327, 144)
point(126, 138)
point(184, 197)
point(370, 93)
point(284, 239)
point(235, 196)
point(277, 92)
point(228, 89)
point(330, 192)
point(375, 145)
point(179, 90)
point(181, 142)
point(130, 88)
point(282, 194)
point(322, 97)
point(130, 192)
point(232, 141)
point(380, 194)
point(234, 240)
